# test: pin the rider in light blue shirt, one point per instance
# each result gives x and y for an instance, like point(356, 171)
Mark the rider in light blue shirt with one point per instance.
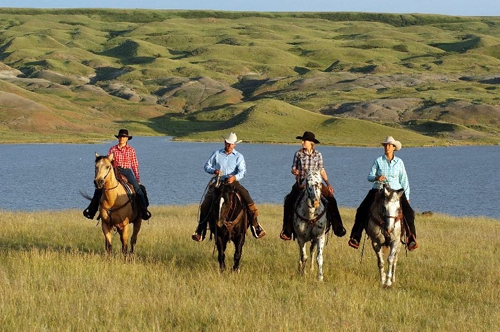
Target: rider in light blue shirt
point(394, 171)
point(391, 170)
point(230, 164)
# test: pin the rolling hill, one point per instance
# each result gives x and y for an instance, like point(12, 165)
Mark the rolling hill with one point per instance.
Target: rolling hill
point(79, 74)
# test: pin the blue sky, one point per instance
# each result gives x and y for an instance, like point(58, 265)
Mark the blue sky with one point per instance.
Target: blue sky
point(445, 7)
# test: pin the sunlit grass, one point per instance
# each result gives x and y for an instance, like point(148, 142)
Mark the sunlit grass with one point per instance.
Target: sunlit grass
point(54, 275)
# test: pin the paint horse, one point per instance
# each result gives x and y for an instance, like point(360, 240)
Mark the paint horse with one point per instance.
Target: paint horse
point(385, 230)
point(228, 221)
point(117, 207)
point(310, 222)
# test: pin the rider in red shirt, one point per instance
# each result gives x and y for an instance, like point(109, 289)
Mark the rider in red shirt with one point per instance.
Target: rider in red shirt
point(125, 161)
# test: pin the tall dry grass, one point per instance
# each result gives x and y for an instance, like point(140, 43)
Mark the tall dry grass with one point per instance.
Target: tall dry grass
point(55, 276)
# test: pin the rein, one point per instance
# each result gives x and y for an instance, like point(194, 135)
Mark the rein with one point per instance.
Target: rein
point(217, 181)
point(380, 218)
point(311, 222)
point(111, 210)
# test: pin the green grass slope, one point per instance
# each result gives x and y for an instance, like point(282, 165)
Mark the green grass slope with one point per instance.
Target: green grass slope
point(159, 71)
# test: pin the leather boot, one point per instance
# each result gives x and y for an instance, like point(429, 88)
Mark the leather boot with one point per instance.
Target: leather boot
point(143, 210)
point(91, 210)
point(201, 230)
point(257, 230)
point(287, 229)
point(334, 217)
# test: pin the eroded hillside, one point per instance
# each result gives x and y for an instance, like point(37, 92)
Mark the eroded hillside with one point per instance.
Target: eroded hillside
point(193, 74)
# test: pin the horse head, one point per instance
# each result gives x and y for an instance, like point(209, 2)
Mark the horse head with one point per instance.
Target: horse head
point(391, 207)
point(313, 188)
point(226, 198)
point(103, 170)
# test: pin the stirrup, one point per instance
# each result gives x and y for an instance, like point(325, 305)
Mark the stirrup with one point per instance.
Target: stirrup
point(285, 237)
point(197, 237)
point(353, 243)
point(412, 245)
point(146, 215)
point(257, 232)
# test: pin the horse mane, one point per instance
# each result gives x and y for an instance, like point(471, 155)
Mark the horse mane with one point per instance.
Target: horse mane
point(99, 158)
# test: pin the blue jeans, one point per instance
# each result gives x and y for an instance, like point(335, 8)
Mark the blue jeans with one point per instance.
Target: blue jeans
point(127, 172)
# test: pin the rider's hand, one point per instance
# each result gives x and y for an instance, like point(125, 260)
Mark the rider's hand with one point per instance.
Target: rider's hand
point(295, 172)
point(381, 178)
point(216, 172)
point(331, 190)
point(231, 179)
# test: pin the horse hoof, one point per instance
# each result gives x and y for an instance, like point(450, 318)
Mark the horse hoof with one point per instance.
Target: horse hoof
point(236, 270)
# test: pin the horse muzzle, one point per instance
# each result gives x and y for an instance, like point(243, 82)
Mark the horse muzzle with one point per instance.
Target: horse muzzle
point(99, 183)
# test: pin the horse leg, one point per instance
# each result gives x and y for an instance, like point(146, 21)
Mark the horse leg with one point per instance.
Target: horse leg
point(377, 247)
point(391, 261)
point(133, 239)
point(320, 244)
point(221, 248)
point(124, 235)
point(302, 255)
point(238, 244)
point(106, 230)
point(312, 254)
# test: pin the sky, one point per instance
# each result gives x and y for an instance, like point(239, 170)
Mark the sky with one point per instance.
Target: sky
point(444, 7)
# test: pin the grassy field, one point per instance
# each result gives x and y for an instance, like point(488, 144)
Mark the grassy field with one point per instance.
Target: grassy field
point(54, 276)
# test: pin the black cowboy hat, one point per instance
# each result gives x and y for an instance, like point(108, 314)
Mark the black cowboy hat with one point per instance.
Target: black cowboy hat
point(308, 136)
point(123, 133)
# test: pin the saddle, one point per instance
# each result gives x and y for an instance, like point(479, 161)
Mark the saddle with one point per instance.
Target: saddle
point(129, 188)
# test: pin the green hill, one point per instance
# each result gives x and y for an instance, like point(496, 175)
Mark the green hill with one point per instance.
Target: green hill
point(350, 77)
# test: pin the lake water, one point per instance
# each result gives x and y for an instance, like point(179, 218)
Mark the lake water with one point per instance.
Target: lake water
point(460, 181)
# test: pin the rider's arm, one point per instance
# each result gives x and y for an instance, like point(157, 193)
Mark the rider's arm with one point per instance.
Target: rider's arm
point(373, 175)
point(211, 163)
point(405, 184)
point(135, 165)
point(324, 176)
point(241, 167)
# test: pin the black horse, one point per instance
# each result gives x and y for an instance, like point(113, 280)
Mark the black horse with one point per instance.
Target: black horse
point(228, 222)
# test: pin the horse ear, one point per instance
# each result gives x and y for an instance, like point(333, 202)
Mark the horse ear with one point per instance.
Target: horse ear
point(387, 192)
point(96, 155)
point(401, 192)
point(111, 157)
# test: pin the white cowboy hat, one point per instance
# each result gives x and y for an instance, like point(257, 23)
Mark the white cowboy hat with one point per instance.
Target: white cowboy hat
point(391, 140)
point(231, 138)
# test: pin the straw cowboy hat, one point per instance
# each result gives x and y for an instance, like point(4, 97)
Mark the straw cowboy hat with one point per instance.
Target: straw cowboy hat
point(123, 133)
point(391, 140)
point(308, 136)
point(231, 138)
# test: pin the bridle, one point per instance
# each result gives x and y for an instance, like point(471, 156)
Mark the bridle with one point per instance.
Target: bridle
point(111, 210)
point(311, 222)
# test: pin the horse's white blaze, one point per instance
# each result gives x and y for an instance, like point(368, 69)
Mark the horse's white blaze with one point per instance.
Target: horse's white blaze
point(310, 207)
point(221, 204)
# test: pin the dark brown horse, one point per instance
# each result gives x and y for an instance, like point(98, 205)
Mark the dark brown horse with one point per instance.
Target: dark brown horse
point(117, 207)
point(229, 222)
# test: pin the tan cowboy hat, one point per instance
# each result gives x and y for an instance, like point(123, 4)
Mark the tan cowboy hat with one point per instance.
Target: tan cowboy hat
point(231, 138)
point(308, 136)
point(123, 133)
point(391, 140)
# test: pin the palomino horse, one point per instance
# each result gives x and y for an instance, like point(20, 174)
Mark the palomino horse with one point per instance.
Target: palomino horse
point(310, 222)
point(384, 229)
point(117, 207)
point(228, 221)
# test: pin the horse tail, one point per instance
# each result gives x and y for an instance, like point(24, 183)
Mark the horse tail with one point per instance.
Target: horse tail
point(87, 196)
